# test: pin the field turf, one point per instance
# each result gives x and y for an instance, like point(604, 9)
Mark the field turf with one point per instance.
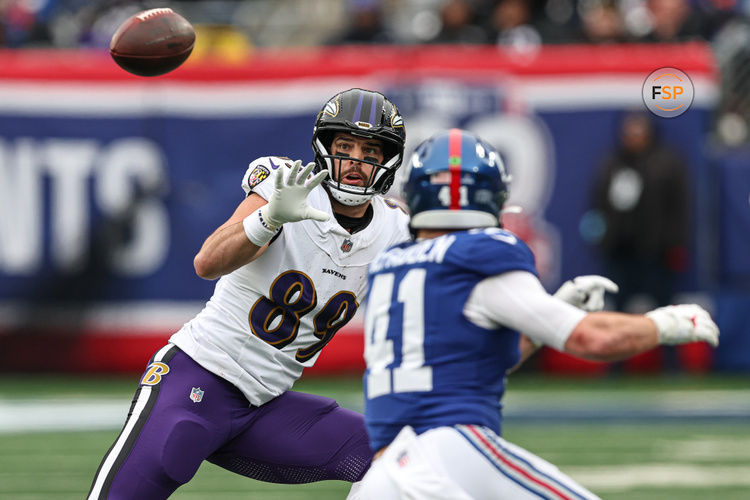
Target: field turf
point(624, 438)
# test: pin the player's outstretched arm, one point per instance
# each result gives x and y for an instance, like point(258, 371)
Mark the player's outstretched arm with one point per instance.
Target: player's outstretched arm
point(609, 336)
point(228, 247)
point(584, 292)
point(245, 236)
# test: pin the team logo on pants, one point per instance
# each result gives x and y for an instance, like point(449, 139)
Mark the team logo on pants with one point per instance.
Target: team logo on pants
point(154, 373)
point(196, 394)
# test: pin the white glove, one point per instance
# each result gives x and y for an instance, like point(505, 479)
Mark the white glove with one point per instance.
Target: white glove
point(288, 203)
point(586, 292)
point(684, 323)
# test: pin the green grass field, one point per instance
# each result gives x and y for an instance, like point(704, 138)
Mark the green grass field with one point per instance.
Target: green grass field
point(624, 438)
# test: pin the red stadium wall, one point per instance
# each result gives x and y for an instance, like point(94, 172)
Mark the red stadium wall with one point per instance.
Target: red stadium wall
point(122, 347)
point(475, 62)
point(112, 352)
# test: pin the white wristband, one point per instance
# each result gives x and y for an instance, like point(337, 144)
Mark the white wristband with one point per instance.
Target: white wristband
point(257, 230)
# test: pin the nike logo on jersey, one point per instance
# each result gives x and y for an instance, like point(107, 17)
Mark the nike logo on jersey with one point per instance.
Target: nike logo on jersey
point(335, 273)
point(274, 166)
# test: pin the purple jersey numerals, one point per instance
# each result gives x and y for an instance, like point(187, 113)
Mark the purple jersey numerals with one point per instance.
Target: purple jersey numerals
point(276, 319)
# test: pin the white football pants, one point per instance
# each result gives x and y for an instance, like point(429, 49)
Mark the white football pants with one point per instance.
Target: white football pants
point(461, 463)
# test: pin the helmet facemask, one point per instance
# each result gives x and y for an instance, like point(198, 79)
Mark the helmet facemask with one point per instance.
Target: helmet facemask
point(378, 181)
point(363, 114)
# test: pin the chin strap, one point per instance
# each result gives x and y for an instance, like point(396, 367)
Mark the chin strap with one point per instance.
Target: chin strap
point(348, 199)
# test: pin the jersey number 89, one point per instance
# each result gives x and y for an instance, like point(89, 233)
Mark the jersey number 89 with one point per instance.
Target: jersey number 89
point(292, 295)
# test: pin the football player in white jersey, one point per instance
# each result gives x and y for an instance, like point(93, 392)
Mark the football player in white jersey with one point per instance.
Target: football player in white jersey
point(442, 327)
point(292, 262)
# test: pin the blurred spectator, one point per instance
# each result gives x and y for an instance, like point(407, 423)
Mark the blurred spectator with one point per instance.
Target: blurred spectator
point(366, 24)
point(511, 25)
point(556, 20)
point(601, 22)
point(716, 14)
point(24, 23)
point(99, 22)
point(66, 23)
point(732, 48)
point(459, 24)
point(642, 197)
point(221, 43)
point(673, 21)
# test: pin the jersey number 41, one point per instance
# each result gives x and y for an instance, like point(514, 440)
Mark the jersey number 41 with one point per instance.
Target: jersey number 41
point(411, 375)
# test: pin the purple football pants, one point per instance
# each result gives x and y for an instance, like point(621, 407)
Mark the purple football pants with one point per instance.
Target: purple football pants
point(183, 414)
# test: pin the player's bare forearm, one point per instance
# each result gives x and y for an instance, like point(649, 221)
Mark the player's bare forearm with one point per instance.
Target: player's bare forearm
point(224, 251)
point(527, 348)
point(228, 248)
point(611, 336)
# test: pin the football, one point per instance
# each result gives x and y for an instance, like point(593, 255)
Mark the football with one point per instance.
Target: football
point(152, 42)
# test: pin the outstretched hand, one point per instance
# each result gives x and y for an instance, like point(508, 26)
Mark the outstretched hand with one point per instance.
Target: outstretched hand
point(586, 292)
point(684, 323)
point(288, 203)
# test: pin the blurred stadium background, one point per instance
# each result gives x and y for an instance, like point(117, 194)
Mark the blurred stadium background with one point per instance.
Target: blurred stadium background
point(110, 182)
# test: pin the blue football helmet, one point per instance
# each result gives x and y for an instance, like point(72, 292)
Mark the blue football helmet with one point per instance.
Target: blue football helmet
point(455, 180)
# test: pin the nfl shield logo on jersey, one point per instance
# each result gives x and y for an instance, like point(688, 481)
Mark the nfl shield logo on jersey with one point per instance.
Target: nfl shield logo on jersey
point(196, 394)
point(347, 245)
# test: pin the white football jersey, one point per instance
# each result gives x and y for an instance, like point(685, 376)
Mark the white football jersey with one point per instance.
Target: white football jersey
point(269, 319)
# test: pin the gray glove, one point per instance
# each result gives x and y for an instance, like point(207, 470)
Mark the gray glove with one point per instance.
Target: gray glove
point(288, 202)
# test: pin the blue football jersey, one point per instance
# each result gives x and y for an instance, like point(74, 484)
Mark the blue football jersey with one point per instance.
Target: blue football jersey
point(427, 365)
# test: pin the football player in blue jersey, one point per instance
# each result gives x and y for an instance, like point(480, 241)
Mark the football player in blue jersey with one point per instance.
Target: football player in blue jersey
point(442, 327)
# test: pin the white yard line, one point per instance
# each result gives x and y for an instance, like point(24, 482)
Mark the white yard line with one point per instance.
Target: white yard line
point(609, 478)
point(64, 414)
point(681, 404)
point(88, 413)
point(704, 449)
